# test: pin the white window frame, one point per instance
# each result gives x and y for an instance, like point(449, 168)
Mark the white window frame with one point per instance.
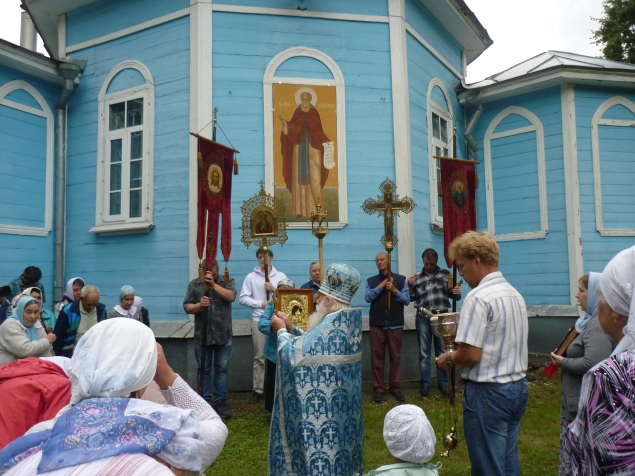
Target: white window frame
point(595, 145)
point(536, 126)
point(436, 219)
point(104, 223)
point(340, 103)
point(46, 113)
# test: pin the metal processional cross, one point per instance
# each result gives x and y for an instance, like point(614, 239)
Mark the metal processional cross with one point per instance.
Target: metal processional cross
point(388, 204)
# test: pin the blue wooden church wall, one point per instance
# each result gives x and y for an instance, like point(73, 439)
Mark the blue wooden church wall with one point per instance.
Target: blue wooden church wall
point(538, 268)
point(22, 196)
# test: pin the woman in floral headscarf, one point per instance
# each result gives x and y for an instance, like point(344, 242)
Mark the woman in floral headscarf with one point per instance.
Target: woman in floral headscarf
point(22, 335)
point(106, 428)
point(602, 437)
point(126, 307)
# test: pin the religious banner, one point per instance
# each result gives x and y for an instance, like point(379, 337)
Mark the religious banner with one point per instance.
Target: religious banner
point(458, 179)
point(305, 150)
point(215, 168)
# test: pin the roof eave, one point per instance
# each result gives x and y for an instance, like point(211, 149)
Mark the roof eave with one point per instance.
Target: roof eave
point(548, 78)
point(29, 62)
point(462, 24)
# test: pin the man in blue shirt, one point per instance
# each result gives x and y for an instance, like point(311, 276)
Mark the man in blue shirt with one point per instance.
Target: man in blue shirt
point(29, 278)
point(386, 326)
point(314, 281)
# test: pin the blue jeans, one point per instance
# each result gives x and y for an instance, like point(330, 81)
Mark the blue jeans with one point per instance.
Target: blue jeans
point(491, 422)
point(219, 354)
point(425, 338)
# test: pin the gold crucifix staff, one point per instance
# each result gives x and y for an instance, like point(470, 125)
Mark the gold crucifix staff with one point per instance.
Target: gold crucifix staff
point(388, 204)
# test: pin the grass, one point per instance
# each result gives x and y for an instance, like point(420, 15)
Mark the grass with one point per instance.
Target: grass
point(245, 451)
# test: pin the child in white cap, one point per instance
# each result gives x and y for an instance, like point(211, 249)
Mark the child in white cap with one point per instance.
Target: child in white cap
point(410, 440)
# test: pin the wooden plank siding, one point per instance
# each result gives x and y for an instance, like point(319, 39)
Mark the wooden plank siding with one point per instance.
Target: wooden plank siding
point(22, 162)
point(360, 7)
point(537, 268)
point(617, 165)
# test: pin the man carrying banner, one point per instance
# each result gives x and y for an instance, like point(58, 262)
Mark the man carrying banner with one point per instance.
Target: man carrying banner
point(317, 426)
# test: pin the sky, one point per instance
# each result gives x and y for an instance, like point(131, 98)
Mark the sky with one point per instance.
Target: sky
point(520, 29)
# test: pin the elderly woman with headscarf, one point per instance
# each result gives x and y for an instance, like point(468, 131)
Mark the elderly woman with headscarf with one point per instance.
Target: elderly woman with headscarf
point(72, 293)
point(126, 307)
point(602, 437)
point(22, 335)
point(410, 440)
point(107, 429)
point(590, 346)
point(271, 344)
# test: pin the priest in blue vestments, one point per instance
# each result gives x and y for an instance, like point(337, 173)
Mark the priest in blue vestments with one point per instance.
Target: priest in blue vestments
point(317, 426)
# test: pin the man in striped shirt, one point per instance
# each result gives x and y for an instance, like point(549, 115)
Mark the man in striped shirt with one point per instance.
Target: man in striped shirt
point(492, 353)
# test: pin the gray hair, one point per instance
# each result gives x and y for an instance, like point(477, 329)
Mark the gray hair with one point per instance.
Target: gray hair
point(334, 305)
point(90, 289)
point(311, 265)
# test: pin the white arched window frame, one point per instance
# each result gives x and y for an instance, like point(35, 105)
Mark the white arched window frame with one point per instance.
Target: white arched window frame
point(436, 146)
point(536, 126)
point(105, 222)
point(595, 140)
point(338, 80)
point(46, 113)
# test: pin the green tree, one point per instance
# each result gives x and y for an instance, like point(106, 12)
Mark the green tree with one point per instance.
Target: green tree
point(617, 30)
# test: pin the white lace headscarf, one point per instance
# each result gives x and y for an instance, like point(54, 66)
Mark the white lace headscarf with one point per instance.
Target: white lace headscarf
point(113, 359)
point(409, 435)
point(617, 283)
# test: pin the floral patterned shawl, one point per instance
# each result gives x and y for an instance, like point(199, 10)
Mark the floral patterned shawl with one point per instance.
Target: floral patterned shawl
point(99, 428)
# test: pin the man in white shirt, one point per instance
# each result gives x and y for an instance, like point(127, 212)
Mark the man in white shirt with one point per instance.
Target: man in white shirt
point(492, 353)
point(254, 295)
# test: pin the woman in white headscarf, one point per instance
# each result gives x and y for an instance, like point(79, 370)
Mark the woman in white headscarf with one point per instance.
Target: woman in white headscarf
point(126, 307)
point(410, 440)
point(106, 427)
point(602, 437)
point(72, 293)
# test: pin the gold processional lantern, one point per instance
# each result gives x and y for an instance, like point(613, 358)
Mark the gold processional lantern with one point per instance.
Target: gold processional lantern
point(263, 223)
point(320, 228)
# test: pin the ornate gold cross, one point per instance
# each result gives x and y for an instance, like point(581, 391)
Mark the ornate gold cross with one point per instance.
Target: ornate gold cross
point(388, 204)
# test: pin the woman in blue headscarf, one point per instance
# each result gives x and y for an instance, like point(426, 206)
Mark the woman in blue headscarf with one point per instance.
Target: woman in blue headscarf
point(126, 307)
point(22, 335)
point(591, 346)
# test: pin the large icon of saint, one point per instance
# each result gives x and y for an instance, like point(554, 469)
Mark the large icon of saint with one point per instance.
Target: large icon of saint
point(303, 140)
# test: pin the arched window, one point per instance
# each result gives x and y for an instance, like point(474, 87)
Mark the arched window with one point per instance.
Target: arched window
point(439, 143)
point(516, 189)
point(613, 137)
point(26, 148)
point(290, 75)
point(125, 150)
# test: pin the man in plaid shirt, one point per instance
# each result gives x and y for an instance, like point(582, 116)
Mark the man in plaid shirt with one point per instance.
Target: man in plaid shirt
point(429, 289)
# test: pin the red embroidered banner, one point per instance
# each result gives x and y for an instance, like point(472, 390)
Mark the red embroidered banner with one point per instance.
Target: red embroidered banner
point(458, 180)
point(215, 167)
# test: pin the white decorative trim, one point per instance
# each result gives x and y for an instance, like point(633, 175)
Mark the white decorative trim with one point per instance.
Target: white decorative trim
point(46, 112)
point(432, 50)
point(300, 13)
point(128, 31)
point(435, 219)
point(147, 92)
point(61, 36)
point(572, 188)
point(595, 145)
point(542, 176)
point(513, 132)
point(29, 62)
point(123, 228)
point(401, 132)
point(200, 105)
point(338, 81)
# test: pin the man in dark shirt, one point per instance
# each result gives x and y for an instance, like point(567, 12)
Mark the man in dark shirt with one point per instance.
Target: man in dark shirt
point(29, 278)
point(219, 332)
point(386, 326)
point(314, 281)
point(429, 289)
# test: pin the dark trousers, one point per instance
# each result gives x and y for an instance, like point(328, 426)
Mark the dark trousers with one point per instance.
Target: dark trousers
point(379, 340)
point(270, 384)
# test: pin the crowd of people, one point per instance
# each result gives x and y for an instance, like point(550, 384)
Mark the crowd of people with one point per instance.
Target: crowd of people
point(99, 395)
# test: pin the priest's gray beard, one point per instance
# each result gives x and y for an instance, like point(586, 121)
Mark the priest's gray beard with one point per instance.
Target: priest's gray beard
point(322, 310)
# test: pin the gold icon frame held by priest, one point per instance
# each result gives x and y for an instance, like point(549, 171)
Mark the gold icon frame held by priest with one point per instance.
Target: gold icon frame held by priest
point(297, 304)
